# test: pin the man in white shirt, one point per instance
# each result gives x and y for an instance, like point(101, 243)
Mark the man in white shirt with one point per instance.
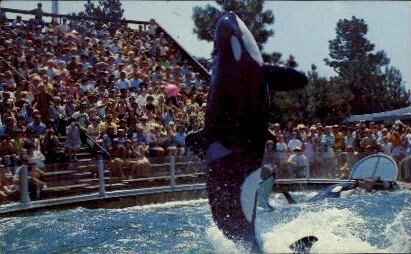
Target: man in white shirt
point(294, 142)
point(297, 164)
point(64, 27)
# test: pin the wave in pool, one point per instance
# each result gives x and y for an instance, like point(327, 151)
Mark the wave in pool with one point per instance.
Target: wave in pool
point(360, 223)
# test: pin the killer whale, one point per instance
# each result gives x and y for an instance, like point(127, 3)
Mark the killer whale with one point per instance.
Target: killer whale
point(333, 191)
point(235, 128)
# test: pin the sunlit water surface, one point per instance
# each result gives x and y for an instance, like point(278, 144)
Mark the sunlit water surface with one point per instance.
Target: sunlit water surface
point(362, 222)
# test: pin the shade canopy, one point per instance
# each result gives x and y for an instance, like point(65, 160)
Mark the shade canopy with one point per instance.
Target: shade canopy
point(398, 114)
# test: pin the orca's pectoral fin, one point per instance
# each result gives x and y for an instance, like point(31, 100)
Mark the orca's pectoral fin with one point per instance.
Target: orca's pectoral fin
point(289, 198)
point(280, 78)
point(195, 143)
point(304, 244)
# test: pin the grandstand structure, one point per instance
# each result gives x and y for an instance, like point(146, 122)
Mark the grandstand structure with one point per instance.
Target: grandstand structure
point(65, 179)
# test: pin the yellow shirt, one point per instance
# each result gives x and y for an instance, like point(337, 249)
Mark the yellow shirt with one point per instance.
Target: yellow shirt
point(104, 125)
point(339, 141)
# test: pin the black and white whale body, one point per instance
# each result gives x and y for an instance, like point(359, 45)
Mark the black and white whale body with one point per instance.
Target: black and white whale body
point(236, 126)
point(333, 191)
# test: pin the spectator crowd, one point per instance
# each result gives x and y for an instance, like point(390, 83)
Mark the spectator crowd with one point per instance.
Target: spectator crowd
point(128, 92)
point(334, 149)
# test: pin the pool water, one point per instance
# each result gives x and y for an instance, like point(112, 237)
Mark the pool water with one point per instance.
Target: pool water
point(362, 222)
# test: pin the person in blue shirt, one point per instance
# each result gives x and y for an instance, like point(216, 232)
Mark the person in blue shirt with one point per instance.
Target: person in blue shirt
point(328, 139)
point(139, 136)
point(28, 114)
point(37, 126)
point(179, 140)
point(184, 69)
point(135, 81)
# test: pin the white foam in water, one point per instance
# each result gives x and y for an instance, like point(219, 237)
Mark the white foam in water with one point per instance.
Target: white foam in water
point(324, 225)
point(221, 244)
point(165, 205)
point(396, 232)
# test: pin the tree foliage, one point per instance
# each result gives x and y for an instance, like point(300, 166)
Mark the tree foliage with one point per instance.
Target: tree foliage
point(327, 102)
point(105, 9)
point(320, 101)
point(365, 73)
point(250, 11)
point(290, 106)
point(273, 58)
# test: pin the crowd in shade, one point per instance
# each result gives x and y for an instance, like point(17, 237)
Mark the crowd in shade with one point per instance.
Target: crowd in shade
point(130, 93)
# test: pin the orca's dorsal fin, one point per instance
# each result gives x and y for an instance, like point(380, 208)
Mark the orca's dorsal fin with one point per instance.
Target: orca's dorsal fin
point(289, 198)
point(303, 245)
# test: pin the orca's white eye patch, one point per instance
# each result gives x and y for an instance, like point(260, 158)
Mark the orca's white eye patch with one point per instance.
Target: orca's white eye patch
point(249, 42)
point(236, 48)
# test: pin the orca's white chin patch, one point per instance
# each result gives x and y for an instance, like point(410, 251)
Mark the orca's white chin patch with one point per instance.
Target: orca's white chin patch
point(249, 194)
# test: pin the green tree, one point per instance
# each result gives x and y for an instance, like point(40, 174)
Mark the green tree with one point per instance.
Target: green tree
point(109, 10)
point(374, 86)
point(250, 11)
point(327, 103)
point(396, 96)
point(290, 106)
point(274, 58)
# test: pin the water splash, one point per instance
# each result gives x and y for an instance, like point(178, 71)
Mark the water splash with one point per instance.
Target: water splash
point(361, 223)
point(326, 225)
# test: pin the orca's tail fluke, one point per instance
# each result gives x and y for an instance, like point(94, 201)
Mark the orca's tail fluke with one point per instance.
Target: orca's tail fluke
point(289, 198)
point(303, 245)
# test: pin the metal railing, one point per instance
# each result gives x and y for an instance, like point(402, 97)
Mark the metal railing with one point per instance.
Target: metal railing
point(327, 165)
point(170, 171)
point(71, 17)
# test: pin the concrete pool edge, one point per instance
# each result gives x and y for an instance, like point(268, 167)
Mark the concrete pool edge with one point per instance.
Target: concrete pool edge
point(152, 195)
point(113, 199)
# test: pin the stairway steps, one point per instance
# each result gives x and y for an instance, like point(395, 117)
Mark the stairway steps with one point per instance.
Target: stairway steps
point(110, 187)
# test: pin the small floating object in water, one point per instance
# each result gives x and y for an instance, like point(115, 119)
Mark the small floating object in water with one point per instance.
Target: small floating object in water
point(304, 244)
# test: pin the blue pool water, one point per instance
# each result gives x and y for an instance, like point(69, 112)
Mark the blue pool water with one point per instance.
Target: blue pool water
point(362, 222)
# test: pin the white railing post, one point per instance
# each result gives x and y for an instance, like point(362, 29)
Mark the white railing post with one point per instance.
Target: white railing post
point(102, 187)
point(172, 171)
point(24, 181)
